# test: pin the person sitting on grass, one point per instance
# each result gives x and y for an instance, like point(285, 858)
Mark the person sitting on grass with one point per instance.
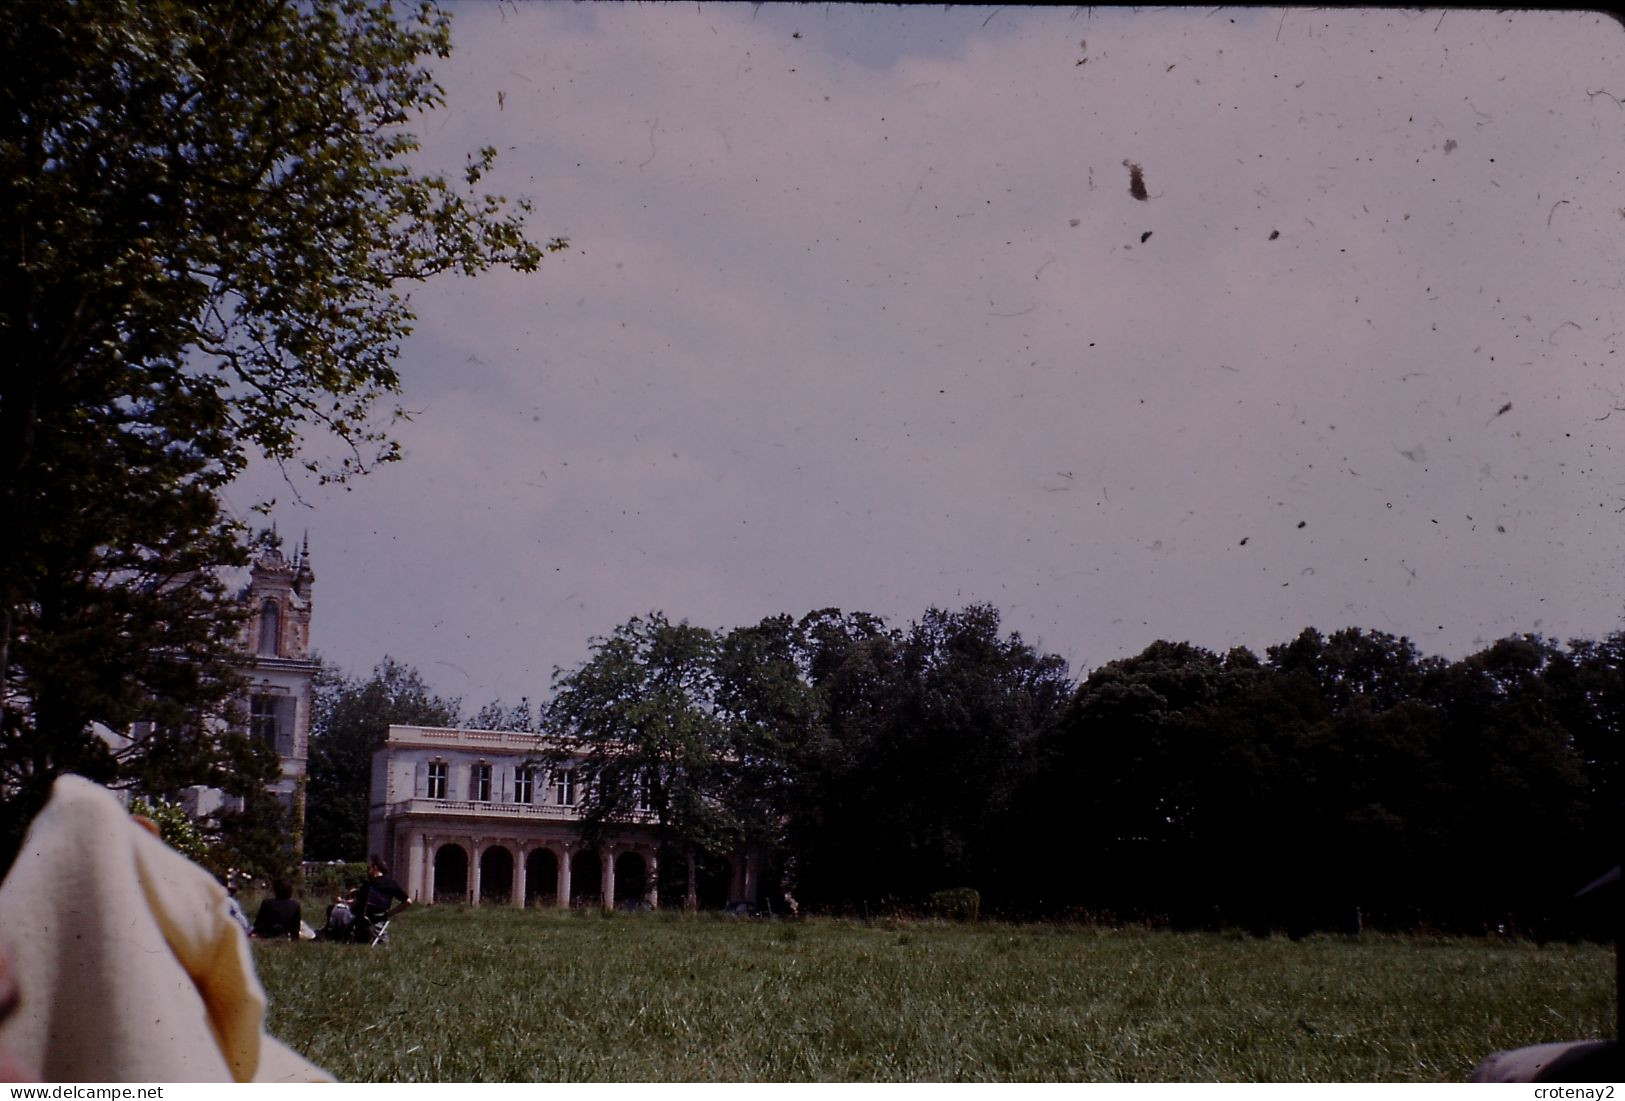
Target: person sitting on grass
point(340, 917)
point(278, 917)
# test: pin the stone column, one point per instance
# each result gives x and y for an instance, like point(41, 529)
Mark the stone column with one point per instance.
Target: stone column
point(608, 878)
point(478, 850)
point(416, 843)
point(652, 864)
point(564, 855)
point(429, 846)
point(519, 874)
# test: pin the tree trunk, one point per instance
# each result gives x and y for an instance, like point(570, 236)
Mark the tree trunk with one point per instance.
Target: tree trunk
point(691, 899)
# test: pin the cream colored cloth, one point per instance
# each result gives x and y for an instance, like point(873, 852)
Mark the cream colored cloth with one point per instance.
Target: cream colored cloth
point(130, 969)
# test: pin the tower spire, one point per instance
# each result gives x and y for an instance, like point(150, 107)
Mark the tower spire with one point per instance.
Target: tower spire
point(304, 576)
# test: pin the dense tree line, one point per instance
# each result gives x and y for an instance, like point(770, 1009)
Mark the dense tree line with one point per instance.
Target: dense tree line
point(1336, 782)
point(1342, 779)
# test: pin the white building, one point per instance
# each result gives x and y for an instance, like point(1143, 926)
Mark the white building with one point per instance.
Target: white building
point(474, 815)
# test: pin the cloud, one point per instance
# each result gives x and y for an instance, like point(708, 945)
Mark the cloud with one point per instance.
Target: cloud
point(877, 326)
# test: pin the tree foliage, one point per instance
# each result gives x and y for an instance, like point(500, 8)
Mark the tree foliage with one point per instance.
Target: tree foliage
point(771, 715)
point(1348, 779)
point(499, 716)
point(120, 615)
point(207, 214)
point(858, 761)
point(927, 732)
point(641, 719)
point(214, 206)
point(1341, 780)
point(176, 828)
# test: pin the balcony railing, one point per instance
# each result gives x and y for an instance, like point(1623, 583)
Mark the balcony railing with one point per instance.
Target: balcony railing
point(480, 809)
point(483, 809)
point(453, 736)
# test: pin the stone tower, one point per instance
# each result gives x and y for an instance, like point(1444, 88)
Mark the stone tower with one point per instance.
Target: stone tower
point(275, 643)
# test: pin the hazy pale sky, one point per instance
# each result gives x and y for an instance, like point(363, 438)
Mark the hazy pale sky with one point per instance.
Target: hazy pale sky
point(860, 311)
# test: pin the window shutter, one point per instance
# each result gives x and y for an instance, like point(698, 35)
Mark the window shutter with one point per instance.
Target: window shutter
point(284, 726)
point(420, 780)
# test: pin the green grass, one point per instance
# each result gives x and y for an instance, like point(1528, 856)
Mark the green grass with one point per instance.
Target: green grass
point(500, 995)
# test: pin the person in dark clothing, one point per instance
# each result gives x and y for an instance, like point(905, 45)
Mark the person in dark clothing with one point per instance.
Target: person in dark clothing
point(377, 900)
point(278, 917)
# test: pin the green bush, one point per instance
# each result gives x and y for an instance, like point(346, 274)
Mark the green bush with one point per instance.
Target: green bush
point(955, 904)
point(178, 831)
point(327, 881)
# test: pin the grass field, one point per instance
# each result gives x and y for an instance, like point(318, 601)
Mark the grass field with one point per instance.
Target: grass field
point(500, 995)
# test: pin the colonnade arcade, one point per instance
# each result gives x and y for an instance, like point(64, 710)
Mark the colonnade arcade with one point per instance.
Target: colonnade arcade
point(506, 871)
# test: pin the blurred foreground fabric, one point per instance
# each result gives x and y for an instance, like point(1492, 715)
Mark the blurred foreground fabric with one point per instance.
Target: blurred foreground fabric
point(1578, 1061)
point(129, 967)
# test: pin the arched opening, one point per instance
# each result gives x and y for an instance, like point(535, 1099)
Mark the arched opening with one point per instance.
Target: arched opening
point(496, 875)
point(631, 879)
point(586, 878)
point(270, 629)
point(450, 873)
point(541, 878)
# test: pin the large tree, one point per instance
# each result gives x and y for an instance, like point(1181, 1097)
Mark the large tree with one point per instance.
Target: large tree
point(641, 718)
point(1121, 776)
point(773, 724)
point(1586, 684)
point(126, 619)
point(907, 780)
point(206, 214)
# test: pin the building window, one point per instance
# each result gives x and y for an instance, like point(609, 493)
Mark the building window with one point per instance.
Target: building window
point(270, 628)
point(642, 793)
point(262, 719)
point(437, 779)
point(564, 787)
point(524, 780)
point(479, 787)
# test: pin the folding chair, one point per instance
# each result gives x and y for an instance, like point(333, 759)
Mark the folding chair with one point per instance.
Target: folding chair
point(375, 932)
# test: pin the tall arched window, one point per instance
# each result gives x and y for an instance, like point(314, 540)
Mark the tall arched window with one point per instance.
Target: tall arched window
point(270, 628)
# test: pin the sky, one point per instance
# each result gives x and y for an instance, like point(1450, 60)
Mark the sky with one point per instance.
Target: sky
point(861, 311)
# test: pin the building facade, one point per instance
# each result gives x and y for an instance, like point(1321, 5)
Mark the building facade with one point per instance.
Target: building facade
point(473, 816)
point(279, 669)
point(279, 676)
